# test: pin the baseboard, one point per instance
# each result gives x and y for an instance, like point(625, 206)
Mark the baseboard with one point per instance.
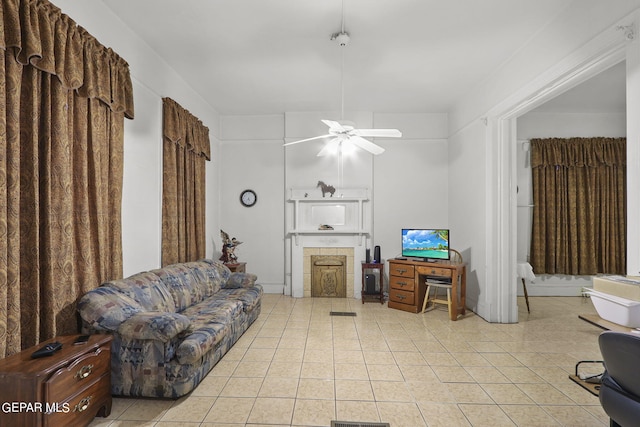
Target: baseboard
point(272, 288)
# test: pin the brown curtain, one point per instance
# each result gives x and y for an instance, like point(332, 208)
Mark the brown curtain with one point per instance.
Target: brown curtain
point(579, 214)
point(63, 99)
point(186, 147)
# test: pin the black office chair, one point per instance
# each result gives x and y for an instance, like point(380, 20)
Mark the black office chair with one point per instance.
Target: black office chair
point(620, 388)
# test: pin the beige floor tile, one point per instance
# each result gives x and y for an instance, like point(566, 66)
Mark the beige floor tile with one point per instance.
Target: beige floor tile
point(443, 415)
point(545, 394)
point(317, 370)
point(485, 415)
point(242, 387)
point(284, 369)
point(572, 416)
point(288, 354)
point(146, 410)
point(529, 415)
point(520, 374)
point(379, 357)
point(314, 388)
point(351, 371)
point(230, 410)
point(348, 356)
point(384, 373)
point(430, 392)
point(506, 394)
point(353, 390)
point(357, 411)
point(468, 393)
point(452, 374)
point(271, 411)
point(401, 414)
point(251, 369)
point(188, 409)
point(314, 412)
point(279, 387)
point(486, 374)
point(391, 391)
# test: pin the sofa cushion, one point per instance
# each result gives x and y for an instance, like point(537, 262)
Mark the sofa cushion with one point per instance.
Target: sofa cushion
point(208, 276)
point(241, 280)
point(182, 285)
point(210, 322)
point(249, 297)
point(105, 308)
point(154, 326)
point(148, 290)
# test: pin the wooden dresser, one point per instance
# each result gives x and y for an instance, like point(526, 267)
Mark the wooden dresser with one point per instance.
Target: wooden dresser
point(68, 388)
point(407, 283)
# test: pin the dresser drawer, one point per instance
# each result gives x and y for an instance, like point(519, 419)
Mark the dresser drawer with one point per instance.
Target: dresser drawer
point(403, 297)
point(401, 283)
point(402, 270)
point(81, 408)
point(82, 372)
point(435, 271)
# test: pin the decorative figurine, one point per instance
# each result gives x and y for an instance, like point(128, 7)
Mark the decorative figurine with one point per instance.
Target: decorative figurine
point(228, 248)
point(326, 188)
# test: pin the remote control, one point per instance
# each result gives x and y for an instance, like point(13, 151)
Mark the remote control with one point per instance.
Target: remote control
point(46, 350)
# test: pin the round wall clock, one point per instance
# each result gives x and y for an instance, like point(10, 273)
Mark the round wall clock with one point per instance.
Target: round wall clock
point(248, 198)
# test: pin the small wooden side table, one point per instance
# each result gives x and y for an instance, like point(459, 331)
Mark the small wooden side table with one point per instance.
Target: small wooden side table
point(238, 267)
point(373, 296)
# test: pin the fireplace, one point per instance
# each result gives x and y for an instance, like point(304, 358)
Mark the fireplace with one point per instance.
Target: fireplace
point(330, 227)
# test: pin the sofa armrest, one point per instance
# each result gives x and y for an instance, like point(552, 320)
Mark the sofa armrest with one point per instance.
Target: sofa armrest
point(240, 280)
point(155, 325)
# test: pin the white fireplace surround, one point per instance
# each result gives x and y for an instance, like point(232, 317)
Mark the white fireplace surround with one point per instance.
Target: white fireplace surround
point(348, 214)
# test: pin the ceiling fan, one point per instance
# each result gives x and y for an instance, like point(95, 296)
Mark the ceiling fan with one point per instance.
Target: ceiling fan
point(345, 132)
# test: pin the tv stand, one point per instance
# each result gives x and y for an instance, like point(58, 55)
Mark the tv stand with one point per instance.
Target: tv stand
point(407, 283)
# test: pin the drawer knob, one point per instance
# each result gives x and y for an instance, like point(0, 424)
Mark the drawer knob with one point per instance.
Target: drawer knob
point(400, 296)
point(402, 283)
point(401, 270)
point(84, 372)
point(83, 404)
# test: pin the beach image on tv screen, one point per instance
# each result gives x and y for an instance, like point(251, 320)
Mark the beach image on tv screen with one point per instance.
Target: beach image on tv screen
point(425, 243)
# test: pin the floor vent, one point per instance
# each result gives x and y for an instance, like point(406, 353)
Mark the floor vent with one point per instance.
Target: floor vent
point(357, 424)
point(342, 313)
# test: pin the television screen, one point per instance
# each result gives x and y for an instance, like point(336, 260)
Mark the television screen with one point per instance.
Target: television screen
point(425, 243)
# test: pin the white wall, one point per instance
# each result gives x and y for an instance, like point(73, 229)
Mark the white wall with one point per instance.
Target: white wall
point(253, 159)
point(152, 79)
point(554, 125)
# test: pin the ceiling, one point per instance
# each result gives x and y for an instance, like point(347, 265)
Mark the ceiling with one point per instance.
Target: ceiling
point(275, 56)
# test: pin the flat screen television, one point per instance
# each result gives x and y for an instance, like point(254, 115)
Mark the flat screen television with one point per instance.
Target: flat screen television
point(425, 243)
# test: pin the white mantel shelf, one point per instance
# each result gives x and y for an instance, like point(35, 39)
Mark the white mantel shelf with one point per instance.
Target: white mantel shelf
point(297, 233)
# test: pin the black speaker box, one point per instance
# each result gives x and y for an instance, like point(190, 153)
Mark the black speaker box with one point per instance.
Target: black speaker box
point(370, 283)
point(368, 256)
point(376, 254)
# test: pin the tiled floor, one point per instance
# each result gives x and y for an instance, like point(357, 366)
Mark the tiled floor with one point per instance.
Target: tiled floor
point(299, 366)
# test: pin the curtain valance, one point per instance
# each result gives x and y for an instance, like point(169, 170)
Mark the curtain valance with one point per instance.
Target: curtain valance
point(184, 129)
point(37, 33)
point(579, 152)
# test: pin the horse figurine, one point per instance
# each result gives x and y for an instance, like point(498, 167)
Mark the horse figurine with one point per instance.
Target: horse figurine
point(326, 188)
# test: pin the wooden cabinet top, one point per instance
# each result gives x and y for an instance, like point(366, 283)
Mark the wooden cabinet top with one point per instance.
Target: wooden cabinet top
point(23, 364)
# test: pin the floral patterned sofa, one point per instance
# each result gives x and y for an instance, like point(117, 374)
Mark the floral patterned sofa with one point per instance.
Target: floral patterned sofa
point(170, 326)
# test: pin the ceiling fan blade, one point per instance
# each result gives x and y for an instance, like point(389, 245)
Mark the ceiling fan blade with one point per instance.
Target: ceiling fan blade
point(366, 145)
point(333, 125)
point(330, 147)
point(305, 140)
point(380, 133)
